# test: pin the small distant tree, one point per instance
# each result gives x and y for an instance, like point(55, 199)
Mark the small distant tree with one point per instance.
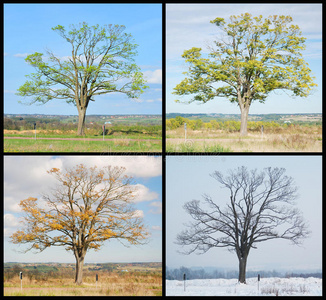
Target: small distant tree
point(88, 207)
point(101, 61)
point(254, 57)
point(261, 208)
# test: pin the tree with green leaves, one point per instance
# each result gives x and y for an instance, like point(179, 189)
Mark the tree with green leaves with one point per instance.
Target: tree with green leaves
point(101, 62)
point(254, 57)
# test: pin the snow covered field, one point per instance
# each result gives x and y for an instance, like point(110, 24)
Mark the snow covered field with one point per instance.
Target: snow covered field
point(230, 287)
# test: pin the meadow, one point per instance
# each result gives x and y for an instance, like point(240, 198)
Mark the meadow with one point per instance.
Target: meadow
point(62, 141)
point(58, 134)
point(226, 138)
point(121, 281)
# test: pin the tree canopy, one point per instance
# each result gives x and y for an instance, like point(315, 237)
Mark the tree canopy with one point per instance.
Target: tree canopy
point(101, 62)
point(253, 57)
point(87, 208)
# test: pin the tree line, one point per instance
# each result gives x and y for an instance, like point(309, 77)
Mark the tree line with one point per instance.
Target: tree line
point(200, 273)
point(20, 124)
point(229, 126)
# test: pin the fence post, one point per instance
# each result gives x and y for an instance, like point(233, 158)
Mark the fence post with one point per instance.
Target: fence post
point(184, 282)
point(258, 281)
point(21, 280)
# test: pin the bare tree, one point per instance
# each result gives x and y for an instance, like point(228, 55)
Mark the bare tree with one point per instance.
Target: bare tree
point(261, 208)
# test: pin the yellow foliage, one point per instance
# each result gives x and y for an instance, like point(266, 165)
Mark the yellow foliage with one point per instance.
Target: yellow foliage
point(54, 170)
point(56, 226)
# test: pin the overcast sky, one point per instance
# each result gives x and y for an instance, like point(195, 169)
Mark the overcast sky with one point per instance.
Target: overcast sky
point(27, 29)
point(188, 25)
point(188, 178)
point(25, 176)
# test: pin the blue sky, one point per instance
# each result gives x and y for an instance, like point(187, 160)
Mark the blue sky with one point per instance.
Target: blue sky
point(25, 176)
point(188, 25)
point(27, 29)
point(188, 178)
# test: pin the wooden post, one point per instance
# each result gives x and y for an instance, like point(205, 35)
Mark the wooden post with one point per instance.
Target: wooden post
point(184, 282)
point(21, 280)
point(258, 281)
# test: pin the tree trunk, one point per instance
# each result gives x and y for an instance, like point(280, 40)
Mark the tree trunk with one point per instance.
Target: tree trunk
point(81, 121)
point(244, 121)
point(242, 269)
point(79, 269)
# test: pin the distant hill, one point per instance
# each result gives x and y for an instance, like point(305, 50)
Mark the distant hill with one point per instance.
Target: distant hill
point(99, 119)
point(311, 117)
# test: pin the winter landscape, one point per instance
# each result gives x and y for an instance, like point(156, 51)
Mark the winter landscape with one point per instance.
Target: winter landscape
point(273, 286)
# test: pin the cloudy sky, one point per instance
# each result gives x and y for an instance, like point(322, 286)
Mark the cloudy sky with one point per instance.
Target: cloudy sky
point(25, 176)
point(188, 178)
point(188, 25)
point(27, 29)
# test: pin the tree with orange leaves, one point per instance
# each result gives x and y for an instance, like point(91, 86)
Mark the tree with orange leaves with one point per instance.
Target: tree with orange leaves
point(87, 207)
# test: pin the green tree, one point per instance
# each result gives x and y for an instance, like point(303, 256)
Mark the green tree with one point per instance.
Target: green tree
point(101, 62)
point(255, 56)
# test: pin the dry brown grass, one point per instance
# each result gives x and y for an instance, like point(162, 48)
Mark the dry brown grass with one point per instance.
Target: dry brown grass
point(294, 139)
point(109, 284)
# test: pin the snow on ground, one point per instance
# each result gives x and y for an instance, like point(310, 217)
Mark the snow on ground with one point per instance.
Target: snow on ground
point(230, 287)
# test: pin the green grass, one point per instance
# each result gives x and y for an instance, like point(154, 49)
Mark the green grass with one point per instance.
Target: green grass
point(106, 146)
point(106, 137)
point(191, 146)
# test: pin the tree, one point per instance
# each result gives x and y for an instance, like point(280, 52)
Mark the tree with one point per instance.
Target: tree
point(101, 62)
point(87, 207)
point(257, 56)
point(261, 208)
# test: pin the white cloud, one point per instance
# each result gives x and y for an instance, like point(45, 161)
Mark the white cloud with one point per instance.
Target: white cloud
point(136, 166)
point(26, 176)
point(158, 228)
point(21, 54)
point(138, 213)
point(11, 222)
point(153, 76)
point(144, 194)
point(157, 207)
point(148, 100)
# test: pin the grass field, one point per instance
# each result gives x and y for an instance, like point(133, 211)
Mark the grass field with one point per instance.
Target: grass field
point(63, 142)
point(297, 139)
point(120, 282)
point(112, 284)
